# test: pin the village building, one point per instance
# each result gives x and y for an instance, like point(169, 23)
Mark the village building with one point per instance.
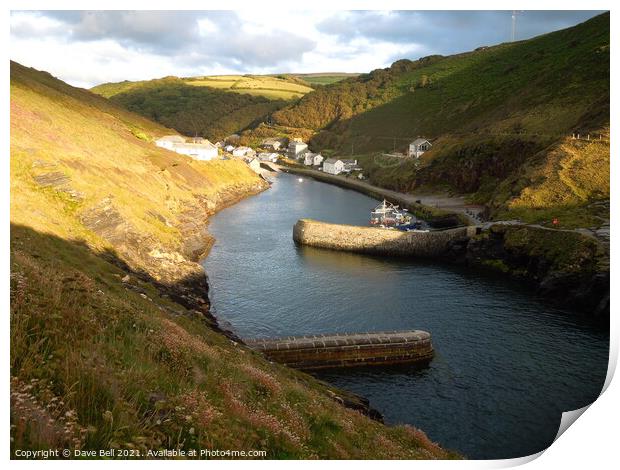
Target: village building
point(312, 159)
point(295, 148)
point(333, 166)
point(418, 147)
point(254, 165)
point(201, 151)
point(168, 141)
point(229, 148)
point(268, 157)
point(197, 148)
point(349, 165)
point(243, 152)
point(273, 143)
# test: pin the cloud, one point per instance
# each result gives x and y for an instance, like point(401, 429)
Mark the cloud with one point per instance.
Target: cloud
point(446, 32)
point(119, 45)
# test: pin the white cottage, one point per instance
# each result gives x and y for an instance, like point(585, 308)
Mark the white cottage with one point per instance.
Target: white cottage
point(268, 157)
point(418, 147)
point(349, 165)
point(243, 152)
point(333, 166)
point(197, 148)
point(203, 151)
point(318, 159)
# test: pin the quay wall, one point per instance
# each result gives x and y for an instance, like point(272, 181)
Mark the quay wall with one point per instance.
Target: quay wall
point(376, 241)
point(347, 350)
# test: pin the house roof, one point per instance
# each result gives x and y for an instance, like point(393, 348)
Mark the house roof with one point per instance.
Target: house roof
point(331, 160)
point(420, 141)
point(349, 161)
point(204, 145)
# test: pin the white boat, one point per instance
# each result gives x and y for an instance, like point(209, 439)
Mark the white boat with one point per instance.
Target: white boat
point(387, 215)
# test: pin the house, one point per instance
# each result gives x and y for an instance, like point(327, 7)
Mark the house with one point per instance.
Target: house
point(295, 148)
point(254, 165)
point(349, 165)
point(312, 159)
point(197, 148)
point(272, 143)
point(168, 141)
point(199, 151)
point(268, 157)
point(243, 152)
point(333, 166)
point(229, 148)
point(418, 147)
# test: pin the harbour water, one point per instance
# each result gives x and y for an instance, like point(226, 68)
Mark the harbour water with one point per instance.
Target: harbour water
point(507, 363)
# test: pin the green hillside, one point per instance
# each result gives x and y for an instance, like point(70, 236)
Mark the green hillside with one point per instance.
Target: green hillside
point(191, 109)
point(493, 115)
point(326, 78)
point(112, 345)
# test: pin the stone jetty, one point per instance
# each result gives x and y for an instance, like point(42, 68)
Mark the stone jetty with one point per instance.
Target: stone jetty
point(377, 241)
point(346, 350)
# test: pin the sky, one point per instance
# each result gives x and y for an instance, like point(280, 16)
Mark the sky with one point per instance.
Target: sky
point(85, 48)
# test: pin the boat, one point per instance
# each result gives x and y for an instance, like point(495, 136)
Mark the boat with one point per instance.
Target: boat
point(388, 215)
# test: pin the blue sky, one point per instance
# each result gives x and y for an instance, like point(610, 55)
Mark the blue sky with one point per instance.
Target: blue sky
point(85, 48)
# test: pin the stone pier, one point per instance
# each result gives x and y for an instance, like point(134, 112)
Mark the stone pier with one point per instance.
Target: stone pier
point(378, 241)
point(346, 350)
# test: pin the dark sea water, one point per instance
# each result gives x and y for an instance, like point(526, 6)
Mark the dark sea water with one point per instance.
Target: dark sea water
point(507, 363)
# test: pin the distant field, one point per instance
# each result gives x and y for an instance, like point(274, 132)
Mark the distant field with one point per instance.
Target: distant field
point(324, 78)
point(257, 85)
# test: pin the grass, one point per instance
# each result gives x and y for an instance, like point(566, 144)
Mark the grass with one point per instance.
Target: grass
point(95, 365)
point(197, 107)
point(100, 359)
point(272, 87)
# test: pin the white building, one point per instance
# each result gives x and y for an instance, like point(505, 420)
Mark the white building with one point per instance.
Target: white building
point(295, 148)
point(349, 165)
point(268, 157)
point(418, 147)
point(333, 166)
point(197, 148)
point(205, 151)
point(312, 159)
point(229, 148)
point(243, 152)
point(168, 141)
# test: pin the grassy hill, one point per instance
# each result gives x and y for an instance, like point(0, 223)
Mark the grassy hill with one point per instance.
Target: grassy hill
point(497, 116)
point(111, 342)
point(213, 106)
point(191, 107)
point(325, 78)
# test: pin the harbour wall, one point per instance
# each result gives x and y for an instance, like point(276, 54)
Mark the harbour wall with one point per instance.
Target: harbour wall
point(371, 240)
point(346, 350)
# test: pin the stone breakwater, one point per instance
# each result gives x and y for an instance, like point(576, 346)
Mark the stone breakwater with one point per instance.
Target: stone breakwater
point(371, 240)
point(346, 350)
